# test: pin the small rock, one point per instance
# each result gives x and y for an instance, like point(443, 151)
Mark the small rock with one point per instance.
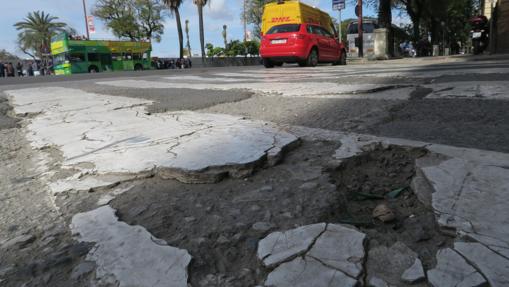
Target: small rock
point(81, 269)
point(309, 186)
point(267, 216)
point(189, 219)
point(383, 213)
point(222, 240)
point(200, 240)
point(267, 188)
point(18, 242)
point(377, 282)
point(287, 215)
point(255, 208)
point(414, 274)
point(263, 226)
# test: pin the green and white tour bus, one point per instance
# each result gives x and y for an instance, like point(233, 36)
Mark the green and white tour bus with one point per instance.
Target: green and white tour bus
point(72, 55)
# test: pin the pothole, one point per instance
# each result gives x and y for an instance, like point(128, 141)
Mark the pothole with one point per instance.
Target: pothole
point(374, 194)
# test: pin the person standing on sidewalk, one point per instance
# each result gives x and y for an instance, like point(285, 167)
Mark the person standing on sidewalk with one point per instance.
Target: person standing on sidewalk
point(19, 69)
point(2, 70)
point(10, 70)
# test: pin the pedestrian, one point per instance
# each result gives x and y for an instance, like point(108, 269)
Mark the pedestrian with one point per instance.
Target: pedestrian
point(30, 70)
point(10, 70)
point(19, 69)
point(2, 70)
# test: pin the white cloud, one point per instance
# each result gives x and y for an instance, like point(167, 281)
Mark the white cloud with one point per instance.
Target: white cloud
point(218, 10)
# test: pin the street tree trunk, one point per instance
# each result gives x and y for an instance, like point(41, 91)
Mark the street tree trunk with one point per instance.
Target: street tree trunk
point(202, 32)
point(385, 21)
point(181, 35)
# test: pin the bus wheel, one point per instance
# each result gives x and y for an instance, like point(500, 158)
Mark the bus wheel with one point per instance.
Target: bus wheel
point(93, 69)
point(312, 58)
point(138, 67)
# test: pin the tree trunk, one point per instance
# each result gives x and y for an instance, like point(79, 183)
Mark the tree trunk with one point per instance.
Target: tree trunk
point(385, 21)
point(202, 33)
point(181, 35)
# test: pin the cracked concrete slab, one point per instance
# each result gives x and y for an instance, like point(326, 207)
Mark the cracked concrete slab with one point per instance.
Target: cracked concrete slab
point(117, 136)
point(493, 266)
point(340, 248)
point(453, 270)
point(390, 263)
point(278, 247)
point(129, 253)
point(305, 272)
point(472, 198)
point(481, 90)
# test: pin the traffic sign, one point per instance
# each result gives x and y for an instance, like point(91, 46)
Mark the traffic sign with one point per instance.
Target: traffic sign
point(338, 5)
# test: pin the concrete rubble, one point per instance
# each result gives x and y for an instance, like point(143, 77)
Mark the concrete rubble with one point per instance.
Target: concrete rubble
point(314, 255)
point(120, 248)
point(453, 270)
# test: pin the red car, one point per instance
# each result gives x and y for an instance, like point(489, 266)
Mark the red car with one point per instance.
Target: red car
point(305, 44)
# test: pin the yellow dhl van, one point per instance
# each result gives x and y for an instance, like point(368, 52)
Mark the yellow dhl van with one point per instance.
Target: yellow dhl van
point(294, 12)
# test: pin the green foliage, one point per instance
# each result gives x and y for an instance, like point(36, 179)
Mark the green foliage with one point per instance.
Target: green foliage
point(133, 19)
point(36, 31)
point(254, 13)
point(233, 49)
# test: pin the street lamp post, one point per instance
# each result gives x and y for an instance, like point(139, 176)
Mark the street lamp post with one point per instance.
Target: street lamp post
point(86, 20)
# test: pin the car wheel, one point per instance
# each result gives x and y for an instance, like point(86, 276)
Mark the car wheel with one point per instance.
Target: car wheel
point(93, 69)
point(268, 63)
point(342, 60)
point(312, 60)
point(278, 64)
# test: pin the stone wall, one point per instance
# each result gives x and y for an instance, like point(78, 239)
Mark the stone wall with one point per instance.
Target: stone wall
point(502, 29)
point(227, 61)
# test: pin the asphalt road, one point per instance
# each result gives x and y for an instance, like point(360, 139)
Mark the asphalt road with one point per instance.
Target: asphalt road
point(402, 110)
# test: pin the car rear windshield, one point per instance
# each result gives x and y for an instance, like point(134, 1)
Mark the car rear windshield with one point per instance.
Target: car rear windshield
point(286, 28)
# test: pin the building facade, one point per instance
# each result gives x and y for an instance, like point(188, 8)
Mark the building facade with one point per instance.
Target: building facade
point(498, 12)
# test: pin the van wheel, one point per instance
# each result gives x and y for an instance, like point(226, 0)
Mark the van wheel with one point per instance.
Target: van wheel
point(268, 63)
point(93, 69)
point(312, 60)
point(278, 64)
point(138, 67)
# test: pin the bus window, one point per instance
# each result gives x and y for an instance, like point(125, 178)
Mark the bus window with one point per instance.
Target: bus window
point(145, 56)
point(60, 59)
point(93, 57)
point(77, 57)
point(137, 56)
point(128, 56)
point(116, 57)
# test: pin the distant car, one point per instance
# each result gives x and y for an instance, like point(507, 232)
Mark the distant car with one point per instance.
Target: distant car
point(305, 44)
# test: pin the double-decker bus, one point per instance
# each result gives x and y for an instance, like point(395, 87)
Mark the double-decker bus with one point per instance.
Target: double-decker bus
point(72, 55)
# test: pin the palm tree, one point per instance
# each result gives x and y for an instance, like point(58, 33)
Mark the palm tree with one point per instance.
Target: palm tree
point(36, 32)
point(225, 35)
point(174, 6)
point(187, 36)
point(200, 4)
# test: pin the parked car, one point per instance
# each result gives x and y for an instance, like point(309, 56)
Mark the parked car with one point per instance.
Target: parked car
point(294, 32)
point(305, 44)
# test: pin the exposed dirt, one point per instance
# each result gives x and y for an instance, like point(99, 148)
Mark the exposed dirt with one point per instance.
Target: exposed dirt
point(221, 224)
point(383, 176)
point(6, 122)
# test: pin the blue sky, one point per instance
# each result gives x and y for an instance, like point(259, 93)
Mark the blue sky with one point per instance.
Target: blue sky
point(218, 13)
